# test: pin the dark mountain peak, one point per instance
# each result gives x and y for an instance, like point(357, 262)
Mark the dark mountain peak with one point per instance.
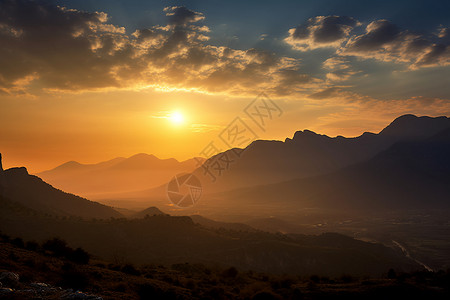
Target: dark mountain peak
point(262, 143)
point(306, 136)
point(410, 126)
point(1, 165)
point(304, 133)
point(32, 192)
point(17, 171)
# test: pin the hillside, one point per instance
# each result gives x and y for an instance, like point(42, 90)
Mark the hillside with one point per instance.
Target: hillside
point(33, 192)
point(27, 271)
point(168, 240)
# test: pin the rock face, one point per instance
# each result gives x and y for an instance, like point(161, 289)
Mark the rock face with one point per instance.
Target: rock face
point(2, 181)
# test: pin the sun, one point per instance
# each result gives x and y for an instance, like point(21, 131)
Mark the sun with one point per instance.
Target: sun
point(176, 118)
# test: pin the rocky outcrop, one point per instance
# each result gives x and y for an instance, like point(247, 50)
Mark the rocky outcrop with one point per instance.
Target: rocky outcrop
point(12, 288)
point(2, 180)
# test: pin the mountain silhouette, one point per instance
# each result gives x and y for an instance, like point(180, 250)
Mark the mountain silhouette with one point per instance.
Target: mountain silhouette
point(409, 175)
point(33, 192)
point(310, 154)
point(119, 175)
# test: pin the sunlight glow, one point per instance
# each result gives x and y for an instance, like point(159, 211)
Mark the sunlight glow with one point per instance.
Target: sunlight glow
point(176, 118)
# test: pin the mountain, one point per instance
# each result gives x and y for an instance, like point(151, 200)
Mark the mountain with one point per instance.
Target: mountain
point(119, 175)
point(34, 193)
point(408, 175)
point(309, 154)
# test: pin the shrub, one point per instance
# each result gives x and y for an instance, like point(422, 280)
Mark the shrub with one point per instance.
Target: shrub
point(130, 269)
point(79, 256)
point(391, 274)
point(230, 272)
point(148, 291)
point(56, 246)
point(32, 246)
point(18, 242)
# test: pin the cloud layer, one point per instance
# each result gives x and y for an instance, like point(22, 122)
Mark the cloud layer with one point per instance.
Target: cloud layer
point(381, 40)
point(321, 31)
point(55, 48)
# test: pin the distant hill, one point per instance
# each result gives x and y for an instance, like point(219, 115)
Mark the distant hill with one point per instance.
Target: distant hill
point(310, 154)
point(168, 240)
point(119, 175)
point(34, 193)
point(151, 211)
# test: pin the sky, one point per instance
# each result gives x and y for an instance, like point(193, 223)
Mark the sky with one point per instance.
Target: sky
point(93, 80)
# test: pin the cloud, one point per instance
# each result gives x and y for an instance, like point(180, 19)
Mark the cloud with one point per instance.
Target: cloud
point(382, 41)
point(326, 93)
point(180, 15)
point(386, 42)
point(338, 68)
point(205, 127)
point(46, 47)
point(321, 31)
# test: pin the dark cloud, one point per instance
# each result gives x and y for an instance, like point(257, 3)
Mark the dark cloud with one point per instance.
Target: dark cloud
point(386, 42)
point(379, 33)
point(333, 28)
point(180, 15)
point(321, 31)
point(56, 48)
point(382, 41)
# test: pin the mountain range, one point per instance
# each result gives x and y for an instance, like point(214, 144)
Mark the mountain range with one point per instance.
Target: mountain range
point(118, 175)
point(310, 154)
point(408, 175)
point(404, 166)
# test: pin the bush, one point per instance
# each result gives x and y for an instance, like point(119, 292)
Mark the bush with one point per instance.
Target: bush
point(148, 291)
point(79, 256)
point(18, 242)
point(391, 274)
point(230, 272)
point(130, 269)
point(56, 246)
point(32, 246)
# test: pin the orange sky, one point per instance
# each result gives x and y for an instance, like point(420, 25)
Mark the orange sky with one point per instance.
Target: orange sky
point(91, 90)
point(43, 132)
